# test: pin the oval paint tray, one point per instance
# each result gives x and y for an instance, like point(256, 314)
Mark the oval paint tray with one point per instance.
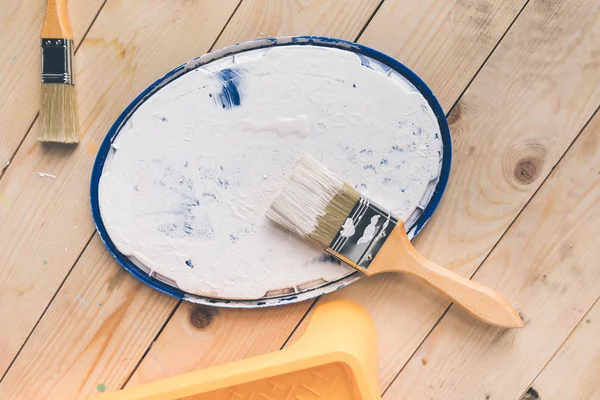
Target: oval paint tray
point(335, 359)
point(218, 272)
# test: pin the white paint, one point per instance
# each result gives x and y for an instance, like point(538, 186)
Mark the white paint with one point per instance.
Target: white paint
point(281, 127)
point(185, 180)
point(45, 175)
point(348, 228)
point(369, 232)
point(82, 300)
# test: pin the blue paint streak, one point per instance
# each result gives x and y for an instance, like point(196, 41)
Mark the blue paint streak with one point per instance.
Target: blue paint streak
point(230, 93)
point(364, 60)
point(105, 148)
point(189, 263)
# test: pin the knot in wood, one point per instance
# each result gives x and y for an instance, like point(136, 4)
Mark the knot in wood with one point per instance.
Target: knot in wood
point(455, 114)
point(527, 171)
point(524, 163)
point(202, 317)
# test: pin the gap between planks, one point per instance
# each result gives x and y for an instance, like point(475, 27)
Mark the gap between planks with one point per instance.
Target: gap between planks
point(91, 237)
point(94, 233)
point(563, 198)
point(8, 166)
point(572, 141)
point(496, 245)
point(16, 150)
point(563, 345)
point(44, 313)
point(313, 302)
point(126, 381)
point(304, 318)
point(300, 320)
point(220, 16)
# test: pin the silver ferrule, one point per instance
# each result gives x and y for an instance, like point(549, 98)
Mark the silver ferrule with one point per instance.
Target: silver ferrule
point(372, 225)
point(57, 61)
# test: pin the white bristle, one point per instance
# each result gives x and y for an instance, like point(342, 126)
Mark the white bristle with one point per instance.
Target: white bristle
point(311, 192)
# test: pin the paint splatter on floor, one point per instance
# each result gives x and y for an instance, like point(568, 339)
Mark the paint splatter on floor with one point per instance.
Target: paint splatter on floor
point(82, 300)
point(4, 200)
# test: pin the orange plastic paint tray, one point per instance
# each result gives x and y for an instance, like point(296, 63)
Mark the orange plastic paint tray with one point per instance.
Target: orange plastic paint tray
point(335, 359)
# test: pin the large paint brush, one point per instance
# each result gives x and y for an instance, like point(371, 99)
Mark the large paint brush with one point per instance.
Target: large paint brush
point(319, 206)
point(58, 111)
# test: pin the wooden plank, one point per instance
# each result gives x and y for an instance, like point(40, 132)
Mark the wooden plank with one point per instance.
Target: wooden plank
point(546, 264)
point(175, 338)
point(44, 230)
point(268, 18)
point(445, 42)
point(574, 372)
point(103, 321)
point(510, 128)
point(22, 176)
point(20, 25)
point(198, 337)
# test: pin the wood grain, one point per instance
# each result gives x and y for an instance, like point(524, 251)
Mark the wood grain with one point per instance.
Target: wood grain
point(198, 337)
point(249, 332)
point(483, 125)
point(20, 79)
point(574, 372)
point(398, 255)
point(167, 352)
point(547, 264)
point(94, 332)
point(520, 113)
point(45, 223)
point(132, 56)
point(267, 18)
point(445, 42)
point(396, 296)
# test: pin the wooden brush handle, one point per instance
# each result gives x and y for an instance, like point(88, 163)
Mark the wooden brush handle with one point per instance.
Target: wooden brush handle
point(398, 254)
point(56, 24)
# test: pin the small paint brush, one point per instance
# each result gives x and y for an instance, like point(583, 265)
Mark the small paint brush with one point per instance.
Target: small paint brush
point(319, 206)
point(58, 111)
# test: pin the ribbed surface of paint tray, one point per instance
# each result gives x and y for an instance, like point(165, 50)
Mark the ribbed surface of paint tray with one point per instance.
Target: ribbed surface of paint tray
point(331, 381)
point(335, 359)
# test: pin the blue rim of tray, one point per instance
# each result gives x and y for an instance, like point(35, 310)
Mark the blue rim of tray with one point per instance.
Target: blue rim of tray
point(181, 70)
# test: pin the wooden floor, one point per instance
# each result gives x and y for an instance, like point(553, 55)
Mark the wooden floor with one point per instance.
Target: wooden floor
point(520, 81)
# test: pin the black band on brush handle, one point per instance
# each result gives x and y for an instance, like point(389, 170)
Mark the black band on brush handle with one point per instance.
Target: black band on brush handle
point(57, 61)
point(372, 225)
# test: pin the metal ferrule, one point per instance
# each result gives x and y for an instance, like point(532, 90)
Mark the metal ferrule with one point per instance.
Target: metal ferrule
point(57, 61)
point(372, 226)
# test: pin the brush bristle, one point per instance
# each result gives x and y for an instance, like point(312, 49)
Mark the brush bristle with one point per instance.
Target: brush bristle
point(58, 114)
point(314, 203)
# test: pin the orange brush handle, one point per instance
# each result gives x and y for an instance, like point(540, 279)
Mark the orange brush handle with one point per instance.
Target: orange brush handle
point(399, 255)
point(56, 24)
